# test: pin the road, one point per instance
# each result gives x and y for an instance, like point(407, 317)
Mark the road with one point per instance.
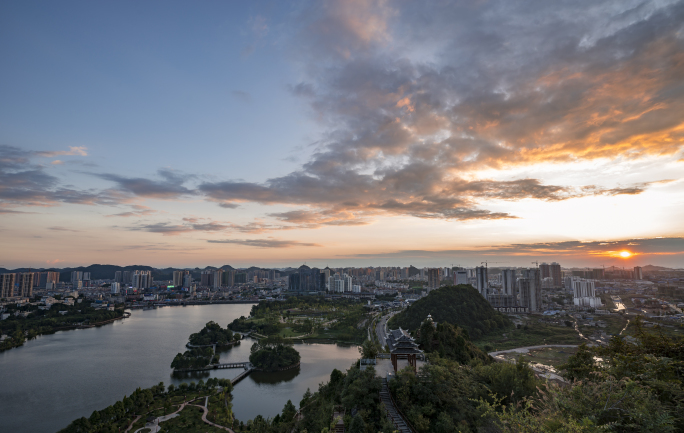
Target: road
point(381, 328)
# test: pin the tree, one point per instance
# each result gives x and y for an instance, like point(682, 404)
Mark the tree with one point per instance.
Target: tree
point(289, 411)
point(358, 425)
point(368, 350)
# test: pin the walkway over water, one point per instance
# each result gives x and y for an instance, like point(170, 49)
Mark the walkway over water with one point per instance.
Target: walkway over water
point(245, 365)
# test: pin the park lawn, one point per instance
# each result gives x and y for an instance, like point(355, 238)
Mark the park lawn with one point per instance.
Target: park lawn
point(340, 335)
point(536, 334)
point(288, 332)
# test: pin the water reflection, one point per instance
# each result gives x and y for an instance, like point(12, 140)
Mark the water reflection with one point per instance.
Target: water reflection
point(113, 360)
point(191, 376)
point(274, 377)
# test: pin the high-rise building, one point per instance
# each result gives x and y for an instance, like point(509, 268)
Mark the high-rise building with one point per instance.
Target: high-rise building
point(241, 278)
point(598, 274)
point(217, 279)
point(584, 292)
point(178, 277)
point(127, 277)
point(187, 281)
point(553, 271)
point(482, 280)
point(24, 287)
point(638, 273)
point(433, 279)
point(76, 278)
point(508, 282)
point(326, 277)
point(41, 279)
point(206, 278)
point(529, 288)
point(7, 282)
point(115, 288)
point(118, 277)
point(340, 283)
point(460, 276)
point(142, 279)
point(229, 277)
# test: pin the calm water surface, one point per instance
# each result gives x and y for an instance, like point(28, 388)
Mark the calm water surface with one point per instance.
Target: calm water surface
point(57, 378)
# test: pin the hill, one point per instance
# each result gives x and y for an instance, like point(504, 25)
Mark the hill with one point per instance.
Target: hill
point(459, 305)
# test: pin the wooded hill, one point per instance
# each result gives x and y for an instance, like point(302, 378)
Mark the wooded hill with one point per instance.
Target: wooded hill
point(459, 305)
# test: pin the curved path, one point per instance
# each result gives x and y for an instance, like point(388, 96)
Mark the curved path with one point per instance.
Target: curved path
point(204, 417)
point(132, 422)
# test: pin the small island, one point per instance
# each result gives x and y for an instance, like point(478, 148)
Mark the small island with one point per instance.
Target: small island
point(274, 354)
point(213, 335)
point(201, 353)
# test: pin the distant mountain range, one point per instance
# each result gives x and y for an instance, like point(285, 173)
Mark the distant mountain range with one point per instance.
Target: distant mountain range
point(101, 272)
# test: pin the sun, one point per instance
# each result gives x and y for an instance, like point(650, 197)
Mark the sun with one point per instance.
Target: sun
point(625, 254)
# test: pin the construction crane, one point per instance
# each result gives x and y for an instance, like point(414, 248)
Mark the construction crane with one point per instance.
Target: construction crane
point(487, 263)
point(536, 263)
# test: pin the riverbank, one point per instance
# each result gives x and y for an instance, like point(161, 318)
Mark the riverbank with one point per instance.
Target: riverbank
point(102, 358)
point(20, 329)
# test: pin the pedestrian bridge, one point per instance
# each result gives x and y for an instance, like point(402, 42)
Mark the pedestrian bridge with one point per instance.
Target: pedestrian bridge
point(245, 365)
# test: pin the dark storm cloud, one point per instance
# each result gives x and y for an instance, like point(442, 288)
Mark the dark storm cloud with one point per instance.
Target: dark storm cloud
point(264, 243)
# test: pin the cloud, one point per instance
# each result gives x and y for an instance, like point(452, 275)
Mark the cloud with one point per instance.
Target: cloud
point(138, 211)
point(63, 229)
point(170, 186)
point(264, 243)
point(202, 224)
point(73, 150)
point(165, 229)
point(418, 99)
point(12, 211)
point(187, 225)
point(546, 250)
point(23, 183)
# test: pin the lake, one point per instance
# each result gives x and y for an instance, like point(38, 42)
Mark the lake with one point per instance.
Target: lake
point(57, 378)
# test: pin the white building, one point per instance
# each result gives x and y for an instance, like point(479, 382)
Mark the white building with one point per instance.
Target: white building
point(115, 288)
point(584, 292)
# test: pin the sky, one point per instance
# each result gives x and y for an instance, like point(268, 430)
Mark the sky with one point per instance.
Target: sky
point(341, 133)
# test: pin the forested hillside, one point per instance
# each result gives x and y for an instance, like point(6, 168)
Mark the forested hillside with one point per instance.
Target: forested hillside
point(459, 305)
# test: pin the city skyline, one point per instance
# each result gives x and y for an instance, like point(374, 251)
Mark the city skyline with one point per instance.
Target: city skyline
point(341, 134)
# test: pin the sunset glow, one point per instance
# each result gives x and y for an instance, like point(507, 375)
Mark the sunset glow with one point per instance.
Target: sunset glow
point(382, 133)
